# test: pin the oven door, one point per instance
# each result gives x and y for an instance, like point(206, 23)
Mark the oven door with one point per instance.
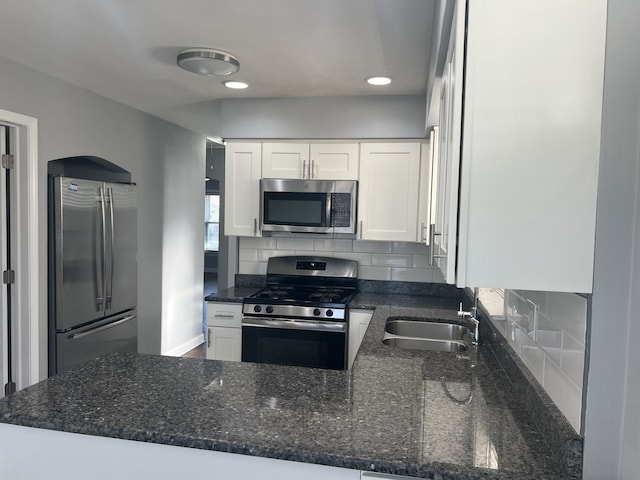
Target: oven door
point(304, 343)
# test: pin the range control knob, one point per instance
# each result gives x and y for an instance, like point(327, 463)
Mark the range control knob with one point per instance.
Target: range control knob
point(316, 312)
point(269, 309)
point(329, 313)
point(257, 308)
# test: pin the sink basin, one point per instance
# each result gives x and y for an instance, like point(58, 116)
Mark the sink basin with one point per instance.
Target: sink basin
point(422, 334)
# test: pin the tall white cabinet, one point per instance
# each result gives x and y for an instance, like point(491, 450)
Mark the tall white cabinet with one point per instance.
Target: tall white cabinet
point(530, 145)
point(243, 170)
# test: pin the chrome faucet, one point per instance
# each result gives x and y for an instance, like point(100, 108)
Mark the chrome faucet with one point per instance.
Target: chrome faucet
point(471, 317)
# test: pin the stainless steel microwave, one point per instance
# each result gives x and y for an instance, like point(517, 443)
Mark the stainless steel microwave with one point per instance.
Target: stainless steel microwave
point(308, 206)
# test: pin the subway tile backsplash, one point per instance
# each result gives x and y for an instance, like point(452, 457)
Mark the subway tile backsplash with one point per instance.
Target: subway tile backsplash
point(401, 261)
point(547, 332)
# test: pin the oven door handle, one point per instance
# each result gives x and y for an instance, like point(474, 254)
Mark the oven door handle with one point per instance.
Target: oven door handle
point(314, 325)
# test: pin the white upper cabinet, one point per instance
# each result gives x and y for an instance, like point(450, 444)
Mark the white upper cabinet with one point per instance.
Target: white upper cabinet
point(243, 165)
point(446, 152)
point(388, 191)
point(334, 161)
point(322, 161)
point(530, 145)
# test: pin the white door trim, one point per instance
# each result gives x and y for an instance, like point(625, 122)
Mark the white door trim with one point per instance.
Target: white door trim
point(28, 269)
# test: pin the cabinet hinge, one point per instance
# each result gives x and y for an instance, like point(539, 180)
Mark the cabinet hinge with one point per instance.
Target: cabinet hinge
point(8, 161)
point(8, 277)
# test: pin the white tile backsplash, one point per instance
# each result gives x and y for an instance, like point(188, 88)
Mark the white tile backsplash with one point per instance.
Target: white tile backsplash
point(332, 245)
point(572, 360)
point(372, 247)
point(412, 275)
point(547, 331)
point(566, 394)
point(294, 243)
point(410, 248)
point(569, 311)
point(399, 261)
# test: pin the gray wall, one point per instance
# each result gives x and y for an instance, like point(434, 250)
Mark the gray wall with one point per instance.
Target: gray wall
point(612, 420)
point(324, 117)
point(73, 121)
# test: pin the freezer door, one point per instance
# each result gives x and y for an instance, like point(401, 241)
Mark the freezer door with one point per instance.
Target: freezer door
point(115, 334)
point(121, 252)
point(77, 268)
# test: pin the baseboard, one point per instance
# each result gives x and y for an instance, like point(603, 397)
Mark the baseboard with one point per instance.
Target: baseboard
point(186, 346)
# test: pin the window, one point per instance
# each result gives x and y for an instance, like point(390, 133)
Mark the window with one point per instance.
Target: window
point(212, 222)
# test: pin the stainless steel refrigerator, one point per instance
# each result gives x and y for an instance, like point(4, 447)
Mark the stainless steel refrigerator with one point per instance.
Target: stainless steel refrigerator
point(92, 270)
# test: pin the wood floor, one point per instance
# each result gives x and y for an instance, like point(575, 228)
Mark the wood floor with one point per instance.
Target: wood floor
point(199, 352)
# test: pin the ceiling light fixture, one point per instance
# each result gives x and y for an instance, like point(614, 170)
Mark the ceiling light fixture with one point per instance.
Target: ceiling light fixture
point(235, 84)
point(206, 61)
point(378, 81)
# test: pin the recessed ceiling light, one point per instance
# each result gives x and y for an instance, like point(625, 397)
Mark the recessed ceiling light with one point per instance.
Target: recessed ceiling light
point(206, 61)
point(235, 84)
point(378, 81)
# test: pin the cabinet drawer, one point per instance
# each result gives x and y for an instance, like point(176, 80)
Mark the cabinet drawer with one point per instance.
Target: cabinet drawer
point(224, 314)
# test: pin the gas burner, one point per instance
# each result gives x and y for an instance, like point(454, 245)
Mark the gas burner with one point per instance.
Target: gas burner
point(327, 295)
point(276, 293)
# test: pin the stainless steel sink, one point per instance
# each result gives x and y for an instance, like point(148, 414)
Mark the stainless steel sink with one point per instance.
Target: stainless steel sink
point(423, 334)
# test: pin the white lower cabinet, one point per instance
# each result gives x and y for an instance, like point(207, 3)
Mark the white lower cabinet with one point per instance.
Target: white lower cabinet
point(358, 323)
point(224, 331)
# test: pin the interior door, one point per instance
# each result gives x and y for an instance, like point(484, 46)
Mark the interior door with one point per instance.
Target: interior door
point(79, 262)
point(122, 247)
point(4, 314)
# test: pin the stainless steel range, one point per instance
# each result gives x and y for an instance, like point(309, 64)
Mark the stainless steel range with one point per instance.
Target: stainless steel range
point(301, 317)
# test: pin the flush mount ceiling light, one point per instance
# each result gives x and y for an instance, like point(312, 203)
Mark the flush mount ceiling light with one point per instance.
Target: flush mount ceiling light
point(206, 61)
point(235, 85)
point(378, 81)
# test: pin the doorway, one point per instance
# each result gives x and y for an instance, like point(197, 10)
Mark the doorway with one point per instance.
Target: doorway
point(23, 358)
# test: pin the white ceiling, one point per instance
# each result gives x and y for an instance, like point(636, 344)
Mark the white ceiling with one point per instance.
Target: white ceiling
point(126, 50)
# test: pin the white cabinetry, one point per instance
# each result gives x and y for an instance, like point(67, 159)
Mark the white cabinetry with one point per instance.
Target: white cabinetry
point(224, 331)
point(446, 150)
point(530, 145)
point(388, 198)
point(358, 323)
point(322, 161)
point(243, 170)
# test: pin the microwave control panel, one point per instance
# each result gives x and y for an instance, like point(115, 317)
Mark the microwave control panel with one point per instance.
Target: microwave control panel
point(340, 209)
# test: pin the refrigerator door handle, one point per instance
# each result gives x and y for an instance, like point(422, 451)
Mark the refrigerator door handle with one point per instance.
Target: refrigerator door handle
point(76, 336)
point(101, 258)
point(109, 292)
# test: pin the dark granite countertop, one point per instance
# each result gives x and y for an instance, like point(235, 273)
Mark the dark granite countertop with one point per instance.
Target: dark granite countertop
point(422, 414)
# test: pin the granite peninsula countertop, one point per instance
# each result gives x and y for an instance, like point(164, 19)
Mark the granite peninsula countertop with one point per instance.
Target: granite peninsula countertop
point(421, 414)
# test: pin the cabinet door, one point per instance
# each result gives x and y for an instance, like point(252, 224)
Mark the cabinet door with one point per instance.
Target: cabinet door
point(358, 323)
point(444, 234)
point(243, 169)
point(285, 160)
point(388, 198)
point(224, 343)
point(531, 144)
point(334, 161)
point(424, 199)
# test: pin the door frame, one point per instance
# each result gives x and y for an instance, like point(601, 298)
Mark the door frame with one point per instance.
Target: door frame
point(31, 352)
